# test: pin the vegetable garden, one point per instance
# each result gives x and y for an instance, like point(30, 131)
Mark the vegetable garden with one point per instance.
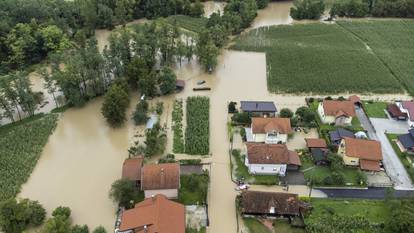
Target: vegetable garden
point(197, 131)
point(177, 118)
point(21, 146)
point(321, 58)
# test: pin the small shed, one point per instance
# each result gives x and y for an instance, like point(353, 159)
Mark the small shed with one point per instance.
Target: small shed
point(320, 156)
point(315, 143)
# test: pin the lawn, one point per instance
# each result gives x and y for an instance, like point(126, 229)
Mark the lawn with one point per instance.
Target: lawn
point(375, 109)
point(242, 172)
point(319, 173)
point(255, 226)
point(393, 42)
point(21, 146)
point(193, 190)
point(318, 58)
point(373, 210)
point(188, 23)
point(403, 156)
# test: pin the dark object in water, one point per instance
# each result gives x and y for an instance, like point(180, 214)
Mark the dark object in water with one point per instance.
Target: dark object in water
point(202, 89)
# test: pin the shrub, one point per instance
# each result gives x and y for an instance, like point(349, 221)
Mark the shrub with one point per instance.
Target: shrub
point(99, 229)
point(243, 133)
point(159, 108)
point(338, 178)
point(167, 79)
point(140, 114)
point(155, 141)
point(307, 9)
point(349, 8)
point(62, 211)
point(124, 192)
point(286, 113)
point(116, 102)
point(80, 229)
point(241, 118)
point(232, 107)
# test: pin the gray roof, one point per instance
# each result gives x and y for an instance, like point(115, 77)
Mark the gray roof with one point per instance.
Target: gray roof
point(319, 154)
point(340, 133)
point(407, 140)
point(258, 106)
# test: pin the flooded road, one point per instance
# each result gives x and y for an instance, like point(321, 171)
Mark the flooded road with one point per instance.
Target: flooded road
point(276, 13)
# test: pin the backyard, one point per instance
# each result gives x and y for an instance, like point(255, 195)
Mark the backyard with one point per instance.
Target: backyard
point(255, 226)
point(242, 172)
point(320, 58)
point(375, 109)
point(403, 156)
point(193, 189)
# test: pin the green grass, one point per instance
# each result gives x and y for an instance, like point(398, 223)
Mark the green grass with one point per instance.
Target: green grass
point(21, 146)
point(318, 58)
point(375, 109)
point(393, 42)
point(191, 230)
point(282, 226)
point(255, 226)
point(373, 210)
point(193, 190)
point(241, 171)
point(188, 23)
point(319, 173)
point(403, 156)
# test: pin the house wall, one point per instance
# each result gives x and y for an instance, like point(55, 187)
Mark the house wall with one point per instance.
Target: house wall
point(169, 193)
point(350, 161)
point(263, 138)
point(343, 121)
point(332, 119)
point(265, 169)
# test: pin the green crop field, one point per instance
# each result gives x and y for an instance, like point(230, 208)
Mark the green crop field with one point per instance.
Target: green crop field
point(188, 23)
point(318, 58)
point(393, 42)
point(197, 132)
point(21, 146)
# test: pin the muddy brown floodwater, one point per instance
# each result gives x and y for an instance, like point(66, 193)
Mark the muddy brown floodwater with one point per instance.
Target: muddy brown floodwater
point(84, 156)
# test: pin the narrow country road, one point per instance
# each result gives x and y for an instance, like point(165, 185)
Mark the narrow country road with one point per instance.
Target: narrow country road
point(393, 166)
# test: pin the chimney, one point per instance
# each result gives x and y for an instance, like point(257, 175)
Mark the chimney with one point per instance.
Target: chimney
point(145, 229)
point(162, 177)
point(153, 197)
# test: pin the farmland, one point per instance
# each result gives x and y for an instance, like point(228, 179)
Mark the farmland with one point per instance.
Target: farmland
point(197, 131)
point(318, 58)
point(21, 146)
point(393, 42)
point(177, 118)
point(188, 23)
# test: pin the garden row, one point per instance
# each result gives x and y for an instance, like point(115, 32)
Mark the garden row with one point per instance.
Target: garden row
point(197, 131)
point(21, 146)
point(177, 127)
point(361, 57)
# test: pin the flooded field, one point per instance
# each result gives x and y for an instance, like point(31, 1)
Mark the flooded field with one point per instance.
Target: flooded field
point(84, 156)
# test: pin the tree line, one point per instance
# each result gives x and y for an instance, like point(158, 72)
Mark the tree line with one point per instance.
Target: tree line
point(30, 29)
point(313, 9)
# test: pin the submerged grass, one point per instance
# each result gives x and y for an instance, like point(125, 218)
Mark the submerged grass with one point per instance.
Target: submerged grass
point(318, 58)
point(21, 146)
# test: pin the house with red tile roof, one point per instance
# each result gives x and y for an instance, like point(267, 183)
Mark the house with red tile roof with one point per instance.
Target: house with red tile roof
point(131, 170)
point(270, 159)
point(269, 130)
point(155, 214)
point(407, 107)
point(336, 112)
point(161, 179)
point(366, 154)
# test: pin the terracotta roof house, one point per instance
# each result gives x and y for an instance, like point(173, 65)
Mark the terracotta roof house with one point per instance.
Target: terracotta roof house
point(396, 113)
point(269, 130)
point(131, 169)
point(270, 204)
point(154, 215)
point(355, 99)
point(336, 112)
point(161, 179)
point(408, 108)
point(315, 143)
point(270, 159)
point(364, 153)
point(337, 135)
point(406, 142)
point(258, 108)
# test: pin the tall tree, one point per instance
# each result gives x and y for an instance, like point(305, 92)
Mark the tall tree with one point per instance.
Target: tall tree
point(115, 105)
point(167, 80)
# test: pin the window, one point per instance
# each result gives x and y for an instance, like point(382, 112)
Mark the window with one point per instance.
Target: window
point(262, 168)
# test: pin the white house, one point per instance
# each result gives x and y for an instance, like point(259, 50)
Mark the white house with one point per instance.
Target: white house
point(269, 130)
point(336, 112)
point(270, 159)
point(161, 179)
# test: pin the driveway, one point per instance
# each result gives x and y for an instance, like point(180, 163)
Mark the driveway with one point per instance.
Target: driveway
point(395, 169)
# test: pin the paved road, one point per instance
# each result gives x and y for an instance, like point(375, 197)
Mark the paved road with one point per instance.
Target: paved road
point(371, 193)
point(393, 166)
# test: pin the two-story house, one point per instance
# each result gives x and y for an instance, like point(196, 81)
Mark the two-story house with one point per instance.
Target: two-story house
point(269, 130)
point(270, 159)
point(364, 153)
point(336, 112)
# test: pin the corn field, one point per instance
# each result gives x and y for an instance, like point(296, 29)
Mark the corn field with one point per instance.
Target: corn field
point(177, 127)
point(197, 132)
point(21, 146)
